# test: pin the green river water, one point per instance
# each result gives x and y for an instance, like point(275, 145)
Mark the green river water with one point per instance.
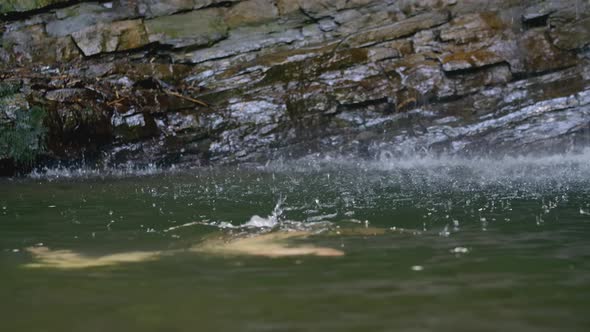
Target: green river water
point(433, 245)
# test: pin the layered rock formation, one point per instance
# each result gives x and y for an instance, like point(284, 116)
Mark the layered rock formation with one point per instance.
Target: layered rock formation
point(195, 82)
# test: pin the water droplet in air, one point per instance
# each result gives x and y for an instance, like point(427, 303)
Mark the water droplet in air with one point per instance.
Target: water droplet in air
point(445, 232)
point(459, 250)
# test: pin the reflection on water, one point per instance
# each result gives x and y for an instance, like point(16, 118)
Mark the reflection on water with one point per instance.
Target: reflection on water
point(421, 244)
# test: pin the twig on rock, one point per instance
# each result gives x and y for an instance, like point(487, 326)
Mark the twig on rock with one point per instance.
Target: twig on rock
point(193, 100)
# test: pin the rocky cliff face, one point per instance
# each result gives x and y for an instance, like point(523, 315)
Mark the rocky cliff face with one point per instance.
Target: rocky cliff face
point(210, 81)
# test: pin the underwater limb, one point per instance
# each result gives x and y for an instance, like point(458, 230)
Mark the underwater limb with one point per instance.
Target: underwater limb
point(67, 259)
point(274, 245)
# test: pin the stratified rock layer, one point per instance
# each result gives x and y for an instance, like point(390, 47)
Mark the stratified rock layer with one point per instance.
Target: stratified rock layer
point(200, 81)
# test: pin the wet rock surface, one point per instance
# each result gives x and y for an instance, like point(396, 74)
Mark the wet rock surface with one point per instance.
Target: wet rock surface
point(195, 82)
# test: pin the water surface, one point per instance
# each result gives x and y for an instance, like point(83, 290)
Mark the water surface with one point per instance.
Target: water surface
point(453, 245)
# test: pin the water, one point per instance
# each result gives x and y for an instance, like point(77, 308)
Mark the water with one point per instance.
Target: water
point(421, 244)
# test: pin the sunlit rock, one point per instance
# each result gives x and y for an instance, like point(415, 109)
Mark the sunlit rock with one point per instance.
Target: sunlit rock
point(541, 10)
point(575, 35)
point(251, 12)
point(470, 59)
point(132, 127)
point(397, 30)
point(412, 7)
point(320, 8)
point(540, 55)
point(70, 20)
point(244, 40)
point(472, 28)
point(116, 36)
point(24, 44)
point(155, 8)
point(190, 29)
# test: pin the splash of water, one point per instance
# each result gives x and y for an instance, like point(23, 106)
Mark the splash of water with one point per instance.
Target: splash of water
point(271, 221)
point(276, 221)
point(86, 172)
point(567, 167)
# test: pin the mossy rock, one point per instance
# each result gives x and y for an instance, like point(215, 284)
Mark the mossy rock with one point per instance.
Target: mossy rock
point(24, 139)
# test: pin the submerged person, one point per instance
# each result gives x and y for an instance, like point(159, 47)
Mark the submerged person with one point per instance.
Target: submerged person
point(273, 243)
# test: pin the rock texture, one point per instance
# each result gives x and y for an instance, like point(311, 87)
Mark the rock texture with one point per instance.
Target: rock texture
point(195, 82)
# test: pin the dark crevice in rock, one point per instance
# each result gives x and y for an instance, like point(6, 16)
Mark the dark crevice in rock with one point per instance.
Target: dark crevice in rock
point(7, 167)
point(149, 83)
point(18, 16)
point(530, 75)
point(365, 104)
point(149, 51)
point(80, 51)
point(474, 70)
point(452, 98)
point(310, 18)
point(193, 48)
point(222, 4)
point(540, 21)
